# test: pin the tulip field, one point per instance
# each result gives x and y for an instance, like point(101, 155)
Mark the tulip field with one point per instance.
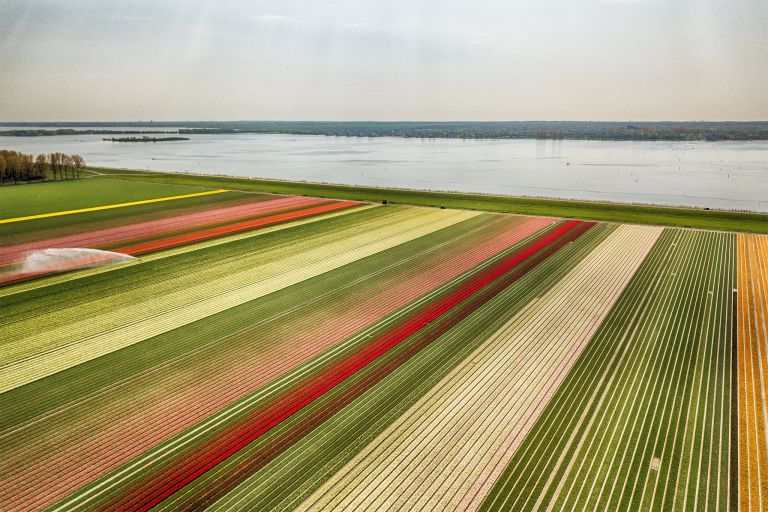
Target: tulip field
point(268, 352)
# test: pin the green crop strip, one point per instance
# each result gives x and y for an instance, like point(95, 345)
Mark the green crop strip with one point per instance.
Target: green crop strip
point(642, 419)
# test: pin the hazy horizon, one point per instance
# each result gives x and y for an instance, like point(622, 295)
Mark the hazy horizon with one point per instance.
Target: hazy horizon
point(166, 121)
point(344, 60)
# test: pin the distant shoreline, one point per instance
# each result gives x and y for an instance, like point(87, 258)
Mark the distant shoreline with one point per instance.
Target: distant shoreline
point(545, 130)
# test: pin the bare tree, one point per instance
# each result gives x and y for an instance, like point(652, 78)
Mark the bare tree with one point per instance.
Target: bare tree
point(79, 163)
point(62, 166)
point(13, 166)
point(52, 161)
point(55, 159)
point(28, 167)
point(40, 164)
point(2, 168)
point(66, 161)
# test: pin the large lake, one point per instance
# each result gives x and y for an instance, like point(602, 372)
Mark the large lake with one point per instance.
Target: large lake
point(726, 175)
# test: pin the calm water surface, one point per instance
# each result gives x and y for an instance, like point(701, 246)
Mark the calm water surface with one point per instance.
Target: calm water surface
point(728, 175)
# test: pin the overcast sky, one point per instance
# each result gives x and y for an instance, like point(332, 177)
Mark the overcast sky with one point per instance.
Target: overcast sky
point(384, 60)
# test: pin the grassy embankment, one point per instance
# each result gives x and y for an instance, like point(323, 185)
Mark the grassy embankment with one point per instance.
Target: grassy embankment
point(54, 196)
point(587, 210)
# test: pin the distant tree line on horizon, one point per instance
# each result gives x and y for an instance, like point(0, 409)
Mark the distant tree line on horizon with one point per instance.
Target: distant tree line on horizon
point(550, 130)
point(40, 132)
point(16, 167)
point(145, 139)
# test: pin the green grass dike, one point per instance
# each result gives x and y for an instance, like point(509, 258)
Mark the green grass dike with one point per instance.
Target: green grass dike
point(697, 218)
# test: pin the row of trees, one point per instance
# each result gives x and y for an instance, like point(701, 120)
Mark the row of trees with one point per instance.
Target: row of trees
point(580, 130)
point(18, 167)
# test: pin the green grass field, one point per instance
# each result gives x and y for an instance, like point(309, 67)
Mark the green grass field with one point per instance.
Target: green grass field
point(38, 198)
point(586, 210)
